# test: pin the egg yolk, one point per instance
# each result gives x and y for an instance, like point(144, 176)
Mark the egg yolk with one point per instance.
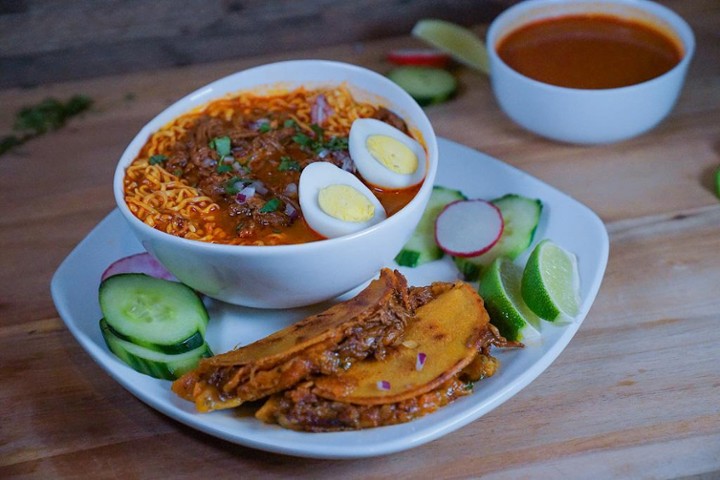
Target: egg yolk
point(345, 203)
point(393, 154)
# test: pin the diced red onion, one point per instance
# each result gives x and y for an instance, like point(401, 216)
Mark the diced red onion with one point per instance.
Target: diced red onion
point(207, 162)
point(245, 194)
point(323, 153)
point(138, 263)
point(291, 189)
point(383, 385)
point(420, 361)
point(259, 123)
point(291, 211)
point(320, 110)
point(347, 164)
point(259, 187)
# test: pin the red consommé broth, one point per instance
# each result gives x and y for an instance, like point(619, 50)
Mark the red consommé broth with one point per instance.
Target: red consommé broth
point(595, 51)
point(181, 184)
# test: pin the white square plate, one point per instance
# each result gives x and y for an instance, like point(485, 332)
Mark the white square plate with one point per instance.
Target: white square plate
point(564, 220)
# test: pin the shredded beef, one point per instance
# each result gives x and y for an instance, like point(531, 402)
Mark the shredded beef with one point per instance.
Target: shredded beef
point(385, 115)
point(301, 409)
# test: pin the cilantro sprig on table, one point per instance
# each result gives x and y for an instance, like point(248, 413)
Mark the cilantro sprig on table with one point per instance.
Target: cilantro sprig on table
point(46, 116)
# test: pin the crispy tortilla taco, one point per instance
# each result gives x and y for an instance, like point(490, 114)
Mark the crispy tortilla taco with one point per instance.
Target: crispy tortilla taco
point(445, 347)
point(368, 325)
point(389, 355)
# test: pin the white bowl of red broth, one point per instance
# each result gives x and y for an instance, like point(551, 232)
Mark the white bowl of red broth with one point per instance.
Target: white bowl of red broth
point(588, 72)
point(230, 187)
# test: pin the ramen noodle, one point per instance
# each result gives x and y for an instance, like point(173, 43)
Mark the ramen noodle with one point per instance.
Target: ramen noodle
point(227, 172)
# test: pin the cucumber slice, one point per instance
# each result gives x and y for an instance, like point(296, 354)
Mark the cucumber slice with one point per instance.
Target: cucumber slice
point(421, 248)
point(427, 85)
point(521, 216)
point(190, 343)
point(150, 362)
point(153, 313)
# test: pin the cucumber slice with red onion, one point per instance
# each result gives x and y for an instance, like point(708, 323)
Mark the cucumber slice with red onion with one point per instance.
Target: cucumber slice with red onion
point(521, 216)
point(468, 228)
point(421, 247)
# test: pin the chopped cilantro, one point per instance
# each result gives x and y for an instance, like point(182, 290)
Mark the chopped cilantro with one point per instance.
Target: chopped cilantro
point(221, 145)
point(290, 123)
point(155, 159)
point(302, 139)
point(319, 132)
point(287, 164)
point(234, 185)
point(224, 168)
point(48, 115)
point(8, 142)
point(264, 127)
point(319, 143)
point(270, 206)
point(337, 143)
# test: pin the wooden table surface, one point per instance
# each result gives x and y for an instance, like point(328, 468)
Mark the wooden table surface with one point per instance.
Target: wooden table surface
point(635, 395)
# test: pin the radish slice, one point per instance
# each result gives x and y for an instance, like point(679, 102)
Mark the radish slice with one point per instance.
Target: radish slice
point(467, 228)
point(138, 263)
point(424, 57)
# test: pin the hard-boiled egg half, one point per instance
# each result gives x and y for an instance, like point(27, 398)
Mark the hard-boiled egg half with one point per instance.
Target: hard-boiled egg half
point(384, 156)
point(335, 202)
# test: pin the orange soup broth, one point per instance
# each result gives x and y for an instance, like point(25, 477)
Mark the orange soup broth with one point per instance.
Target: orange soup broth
point(210, 220)
point(589, 51)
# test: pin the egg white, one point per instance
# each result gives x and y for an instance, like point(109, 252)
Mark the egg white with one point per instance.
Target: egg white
point(370, 168)
point(319, 175)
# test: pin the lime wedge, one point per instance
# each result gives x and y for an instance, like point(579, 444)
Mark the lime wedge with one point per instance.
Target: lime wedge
point(551, 282)
point(500, 289)
point(462, 44)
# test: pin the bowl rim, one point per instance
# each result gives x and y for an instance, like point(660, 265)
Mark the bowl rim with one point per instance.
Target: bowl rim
point(190, 101)
point(675, 22)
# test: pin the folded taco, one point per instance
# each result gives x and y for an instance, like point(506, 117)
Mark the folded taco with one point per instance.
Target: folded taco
point(445, 348)
point(389, 355)
point(368, 325)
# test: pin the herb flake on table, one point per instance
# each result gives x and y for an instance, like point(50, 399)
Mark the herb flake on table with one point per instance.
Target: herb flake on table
point(48, 115)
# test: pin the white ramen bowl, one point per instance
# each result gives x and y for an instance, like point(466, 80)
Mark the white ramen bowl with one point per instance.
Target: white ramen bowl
point(286, 276)
point(584, 116)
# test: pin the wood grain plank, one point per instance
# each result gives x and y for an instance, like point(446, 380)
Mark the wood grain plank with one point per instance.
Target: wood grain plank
point(64, 40)
point(635, 394)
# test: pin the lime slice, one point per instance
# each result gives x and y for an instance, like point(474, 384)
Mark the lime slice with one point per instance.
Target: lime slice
point(551, 282)
point(462, 44)
point(500, 289)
